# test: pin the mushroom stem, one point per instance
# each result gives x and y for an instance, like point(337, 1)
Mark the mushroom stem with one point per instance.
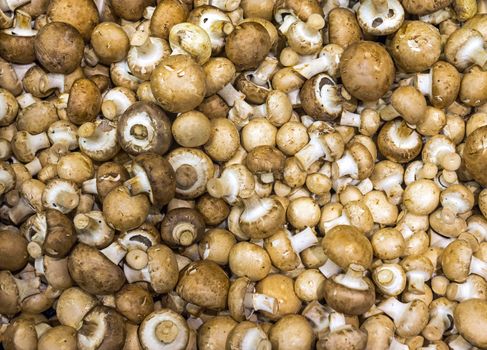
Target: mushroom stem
point(134, 275)
point(255, 340)
point(27, 287)
point(38, 141)
point(23, 26)
point(353, 278)
point(388, 112)
point(346, 165)
point(329, 268)
point(396, 345)
point(350, 119)
point(186, 176)
point(436, 326)
point(264, 71)
point(34, 166)
point(416, 281)
point(34, 249)
point(341, 220)
point(139, 131)
point(137, 259)
point(52, 81)
point(20, 211)
point(393, 308)
point(138, 184)
point(459, 343)
point(310, 153)
point(85, 224)
point(313, 67)
point(223, 186)
point(115, 252)
point(11, 5)
point(478, 267)
point(303, 240)
point(87, 130)
point(288, 21)
point(337, 321)
point(142, 42)
point(184, 233)
point(424, 83)
point(166, 331)
point(261, 302)
point(89, 186)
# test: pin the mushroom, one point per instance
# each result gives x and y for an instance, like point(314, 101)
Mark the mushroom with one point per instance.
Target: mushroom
point(261, 216)
point(164, 329)
point(390, 279)
point(216, 244)
point(407, 102)
point(178, 83)
point(182, 227)
point(320, 98)
point(224, 140)
point(102, 327)
point(13, 250)
point(191, 129)
point(134, 302)
point(409, 318)
point(110, 42)
point(249, 260)
point(166, 14)
point(281, 288)
point(25, 145)
point(303, 36)
point(154, 176)
point(248, 335)
point(380, 331)
point(72, 306)
point(144, 127)
point(464, 47)
point(458, 261)
point(469, 319)
point(378, 17)
point(205, 284)
point(236, 182)
point(398, 142)
point(93, 272)
point(213, 334)
point(430, 197)
point(17, 43)
point(341, 335)
point(343, 27)
point(116, 101)
point(292, 332)
point(356, 162)
point(367, 70)
point(59, 47)
point(441, 318)
point(474, 154)
point(109, 175)
point(82, 15)
point(59, 337)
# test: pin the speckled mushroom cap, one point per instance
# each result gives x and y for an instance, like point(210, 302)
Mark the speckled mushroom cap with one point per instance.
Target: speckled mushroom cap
point(423, 7)
point(475, 154)
point(81, 14)
point(446, 84)
point(367, 70)
point(205, 284)
point(144, 127)
point(163, 268)
point(471, 321)
point(164, 330)
point(13, 250)
point(455, 260)
point(346, 245)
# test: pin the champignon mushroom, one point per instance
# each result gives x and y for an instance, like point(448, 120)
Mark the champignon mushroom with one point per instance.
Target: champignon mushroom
point(474, 154)
point(182, 227)
point(470, 319)
point(102, 327)
point(81, 14)
point(164, 329)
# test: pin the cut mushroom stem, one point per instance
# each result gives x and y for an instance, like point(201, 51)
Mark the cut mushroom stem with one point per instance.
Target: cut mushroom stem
point(241, 111)
point(303, 240)
point(264, 71)
point(329, 268)
point(27, 287)
point(353, 278)
point(261, 302)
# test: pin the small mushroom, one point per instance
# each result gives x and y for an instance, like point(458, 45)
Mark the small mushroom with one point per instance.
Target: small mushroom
point(292, 332)
point(475, 153)
point(81, 14)
point(182, 227)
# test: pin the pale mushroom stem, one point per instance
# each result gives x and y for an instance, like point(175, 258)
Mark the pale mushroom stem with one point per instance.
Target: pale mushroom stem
point(109, 109)
point(138, 184)
point(416, 281)
point(424, 83)
point(166, 331)
point(346, 165)
point(23, 24)
point(52, 81)
point(481, 7)
point(184, 233)
point(313, 67)
point(11, 5)
point(310, 153)
point(114, 252)
point(264, 71)
point(288, 21)
point(34, 166)
point(388, 113)
point(85, 223)
point(134, 275)
point(478, 267)
point(89, 186)
point(350, 119)
point(27, 287)
point(136, 259)
point(427, 171)
point(87, 130)
point(353, 278)
point(261, 302)
point(437, 326)
point(329, 268)
point(34, 249)
point(230, 95)
point(20, 211)
point(303, 240)
point(393, 308)
point(39, 141)
point(337, 321)
point(396, 345)
point(459, 343)
point(142, 41)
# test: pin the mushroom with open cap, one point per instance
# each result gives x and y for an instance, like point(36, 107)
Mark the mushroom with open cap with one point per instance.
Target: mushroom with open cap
point(235, 182)
point(98, 139)
point(17, 43)
point(182, 227)
point(458, 261)
point(398, 142)
point(465, 47)
point(164, 329)
point(475, 154)
point(243, 301)
point(341, 335)
point(389, 279)
point(320, 97)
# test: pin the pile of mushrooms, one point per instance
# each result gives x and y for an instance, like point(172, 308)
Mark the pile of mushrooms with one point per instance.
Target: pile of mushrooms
point(243, 174)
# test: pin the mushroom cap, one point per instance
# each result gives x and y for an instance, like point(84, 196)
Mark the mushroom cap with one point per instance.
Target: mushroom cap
point(20, 334)
point(161, 177)
point(471, 89)
point(445, 84)
point(214, 210)
point(178, 83)
point(103, 326)
point(471, 321)
point(254, 93)
point(72, 306)
point(346, 245)
point(416, 46)
point(93, 272)
point(398, 142)
point(347, 337)
point(292, 332)
point(167, 14)
point(123, 211)
point(16, 48)
point(457, 42)
point(13, 250)
point(301, 8)
point(224, 140)
point(236, 296)
point(424, 7)
point(110, 175)
point(84, 102)
point(421, 197)
point(281, 288)
point(475, 154)
point(213, 334)
point(455, 260)
point(81, 14)
point(248, 335)
point(409, 103)
point(60, 235)
point(165, 330)
point(134, 302)
point(271, 216)
point(9, 294)
point(191, 129)
point(248, 45)
point(56, 272)
point(265, 159)
point(347, 300)
point(205, 284)
point(150, 116)
point(249, 260)
point(379, 329)
point(321, 98)
point(281, 251)
point(59, 47)
point(194, 223)
point(367, 70)
point(343, 28)
point(59, 337)
point(219, 72)
point(110, 42)
point(163, 268)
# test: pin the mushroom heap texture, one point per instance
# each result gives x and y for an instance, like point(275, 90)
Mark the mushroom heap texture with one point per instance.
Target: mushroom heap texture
point(243, 174)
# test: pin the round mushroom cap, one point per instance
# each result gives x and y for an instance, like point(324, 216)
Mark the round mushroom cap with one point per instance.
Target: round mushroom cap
point(13, 250)
point(20, 334)
point(9, 294)
point(292, 332)
point(163, 268)
point(161, 177)
point(367, 70)
point(281, 288)
point(301, 8)
point(472, 92)
point(416, 46)
point(459, 41)
point(445, 84)
point(249, 260)
point(123, 211)
point(248, 335)
point(213, 334)
point(59, 47)
point(236, 296)
point(93, 271)
point(424, 7)
point(103, 326)
point(471, 321)
point(248, 45)
point(398, 142)
point(60, 236)
point(144, 127)
point(265, 159)
point(164, 330)
point(16, 48)
point(475, 155)
point(134, 302)
point(167, 14)
point(219, 72)
point(81, 14)
point(348, 338)
point(110, 42)
point(410, 103)
point(59, 338)
point(321, 98)
point(205, 284)
point(455, 260)
point(110, 175)
point(84, 102)
point(178, 84)
point(346, 245)
point(72, 305)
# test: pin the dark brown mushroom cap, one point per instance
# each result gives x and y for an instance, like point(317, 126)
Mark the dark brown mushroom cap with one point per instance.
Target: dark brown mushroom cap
point(416, 46)
point(205, 284)
point(114, 329)
point(109, 176)
point(81, 14)
point(163, 268)
point(214, 210)
point(248, 45)
point(455, 260)
point(367, 70)
point(265, 159)
point(13, 250)
point(167, 14)
point(178, 84)
point(17, 49)
point(93, 271)
point(320, 98)
point(391, 147)
point(56, 272)
point(301, 8)
point(346, 300)
point(162, 138)
point(9, 301)
point(471, 321)
point(175, 217)
point(423, 7)
point(345, 338)
point(475, 155)
point(59, 47)
point(134, 302)
point(84, 102)
point(346, 245)
point(60, 236)
point(123, 211)
point(161, 176)
point(131, 10)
